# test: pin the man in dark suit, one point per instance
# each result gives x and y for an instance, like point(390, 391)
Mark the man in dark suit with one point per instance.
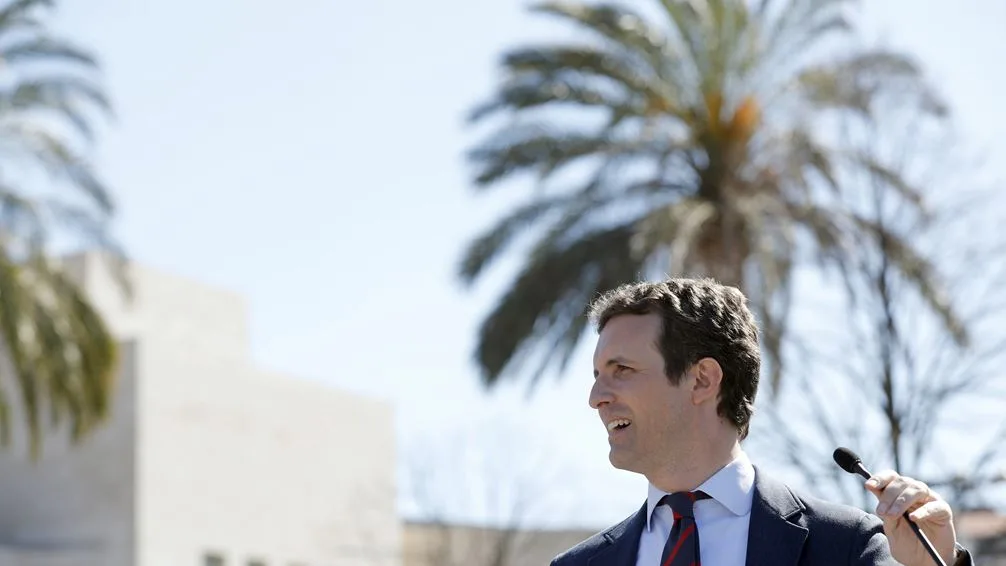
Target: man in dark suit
point(676, 370)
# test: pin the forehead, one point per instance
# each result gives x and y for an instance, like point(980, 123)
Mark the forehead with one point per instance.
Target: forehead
point(628, 335)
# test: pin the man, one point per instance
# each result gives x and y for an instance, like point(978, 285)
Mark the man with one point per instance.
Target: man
point(676, 370)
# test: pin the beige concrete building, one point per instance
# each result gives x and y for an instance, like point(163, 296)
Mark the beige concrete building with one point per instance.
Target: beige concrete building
point(207, 461)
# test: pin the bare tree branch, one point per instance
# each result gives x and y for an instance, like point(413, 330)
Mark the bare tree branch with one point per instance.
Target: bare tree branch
point(475, 497)
point(888, 377)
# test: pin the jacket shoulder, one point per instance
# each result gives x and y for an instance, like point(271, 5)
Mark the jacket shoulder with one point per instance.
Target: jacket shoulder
point(781, 498)
point(836, 529)
point(579, 554)
point(835, 514)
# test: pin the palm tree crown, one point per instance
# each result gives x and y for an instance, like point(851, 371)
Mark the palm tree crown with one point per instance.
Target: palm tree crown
point(57, 354)
point(698, 143)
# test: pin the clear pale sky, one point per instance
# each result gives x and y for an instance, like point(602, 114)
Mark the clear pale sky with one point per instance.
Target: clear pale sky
point(310, 157)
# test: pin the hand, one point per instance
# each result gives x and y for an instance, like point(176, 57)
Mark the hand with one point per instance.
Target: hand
point(897, 494)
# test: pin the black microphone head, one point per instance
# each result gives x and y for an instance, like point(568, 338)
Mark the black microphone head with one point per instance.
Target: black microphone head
point(847, 460)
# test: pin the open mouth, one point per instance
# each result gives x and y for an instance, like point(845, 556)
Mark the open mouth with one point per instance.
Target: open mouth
point(618, 424)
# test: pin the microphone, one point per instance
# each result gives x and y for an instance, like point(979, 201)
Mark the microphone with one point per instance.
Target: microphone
point(850, 462)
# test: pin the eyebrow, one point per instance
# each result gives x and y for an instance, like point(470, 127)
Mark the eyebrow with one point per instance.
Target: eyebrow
point(617, 360)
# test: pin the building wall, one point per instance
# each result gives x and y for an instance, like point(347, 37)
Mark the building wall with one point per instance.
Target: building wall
point(75, 504)
point(198, 319)
point(234, 461)
point(254, 466)
point(205, 453)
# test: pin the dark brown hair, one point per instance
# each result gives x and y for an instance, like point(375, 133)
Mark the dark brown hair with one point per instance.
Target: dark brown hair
point(701, 319)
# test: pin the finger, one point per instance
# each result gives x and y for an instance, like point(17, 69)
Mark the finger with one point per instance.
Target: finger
point(913, 495)
point(888, 487)
point(936, 512)
point(879, 481)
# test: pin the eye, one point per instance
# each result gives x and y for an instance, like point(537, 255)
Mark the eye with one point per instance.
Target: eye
point(620, 369)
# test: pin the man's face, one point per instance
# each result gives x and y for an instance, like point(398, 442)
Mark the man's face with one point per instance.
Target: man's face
point(645, 415)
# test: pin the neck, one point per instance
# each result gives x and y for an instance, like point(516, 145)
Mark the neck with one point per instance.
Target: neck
point(693, 467)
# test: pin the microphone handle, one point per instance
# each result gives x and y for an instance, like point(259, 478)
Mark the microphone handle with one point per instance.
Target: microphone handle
point(915, 528)
point(925, 541)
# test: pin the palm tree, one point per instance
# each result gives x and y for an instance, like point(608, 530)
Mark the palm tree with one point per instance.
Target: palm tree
point(699, 142)
point(59, 359)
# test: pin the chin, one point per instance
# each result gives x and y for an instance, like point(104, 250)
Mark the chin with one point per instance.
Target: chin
point(621, 461)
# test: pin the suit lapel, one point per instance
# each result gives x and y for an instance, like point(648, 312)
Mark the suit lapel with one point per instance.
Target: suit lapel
point(623, 542)
point(774, 538)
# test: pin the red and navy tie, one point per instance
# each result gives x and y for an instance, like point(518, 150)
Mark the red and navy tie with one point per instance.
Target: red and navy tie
point(682, 546)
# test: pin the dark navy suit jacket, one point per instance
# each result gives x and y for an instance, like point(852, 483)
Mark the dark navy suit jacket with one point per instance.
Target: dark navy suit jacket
point(787, 529)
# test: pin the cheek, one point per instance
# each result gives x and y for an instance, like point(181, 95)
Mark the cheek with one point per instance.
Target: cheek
point(661, 411)
point(653, 410)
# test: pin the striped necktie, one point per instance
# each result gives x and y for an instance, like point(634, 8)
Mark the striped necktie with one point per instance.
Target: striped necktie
point(682, 546)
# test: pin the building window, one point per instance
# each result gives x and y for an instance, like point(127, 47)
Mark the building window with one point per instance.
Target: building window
point(212, 559)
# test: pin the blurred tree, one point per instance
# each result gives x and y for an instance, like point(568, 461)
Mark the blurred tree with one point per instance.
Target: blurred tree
point(887, 379)
point(450, 481)
point(469, 501)
point(59, 360)
point(695, 142)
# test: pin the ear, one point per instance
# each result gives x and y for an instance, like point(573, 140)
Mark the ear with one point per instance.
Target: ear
point(708, 377)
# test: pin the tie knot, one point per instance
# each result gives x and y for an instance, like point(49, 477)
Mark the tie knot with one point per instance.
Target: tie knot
point(682, 503)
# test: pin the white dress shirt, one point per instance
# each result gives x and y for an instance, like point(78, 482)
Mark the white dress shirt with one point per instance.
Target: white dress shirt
point(722, 521)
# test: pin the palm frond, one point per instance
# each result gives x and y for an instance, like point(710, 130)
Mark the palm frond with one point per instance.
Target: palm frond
point(548, 296)
point(574, 210)
point(63, 356)
point(490, 244)
point(58, 353)
point(17, 12)
point(893, 180)
point(613, 69)
point(58, 159)
point(857, 82)
point(64, 97)
point(538, 91)
point(544, 151)
point(14, 303)
point(676, 226)
point(624, 28)
point(20, 215)
point(807, 155)
point(800, 23)
point(917, 271)
point(689, 30)
point(46, 50)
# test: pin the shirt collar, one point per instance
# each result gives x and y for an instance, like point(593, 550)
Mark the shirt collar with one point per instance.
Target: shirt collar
point(732, 486)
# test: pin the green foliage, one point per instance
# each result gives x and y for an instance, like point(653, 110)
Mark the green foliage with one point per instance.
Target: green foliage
point(702, 143)
point(59, 359)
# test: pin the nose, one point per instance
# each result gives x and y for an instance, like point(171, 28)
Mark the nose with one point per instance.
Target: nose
point(599, 394)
